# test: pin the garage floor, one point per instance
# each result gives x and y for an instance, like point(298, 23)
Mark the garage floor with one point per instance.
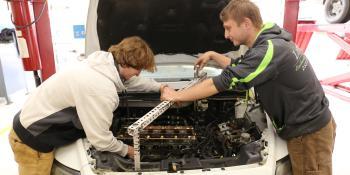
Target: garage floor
point(323, 60)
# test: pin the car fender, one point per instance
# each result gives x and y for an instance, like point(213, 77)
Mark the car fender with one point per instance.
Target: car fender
point(280, 147)
point(74, 156)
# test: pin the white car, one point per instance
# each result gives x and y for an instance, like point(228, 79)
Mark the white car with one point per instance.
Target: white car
point(228, 133)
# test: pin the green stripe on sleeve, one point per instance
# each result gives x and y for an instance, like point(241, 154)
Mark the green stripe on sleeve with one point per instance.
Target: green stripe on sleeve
point(264, 63)
point(234, 81)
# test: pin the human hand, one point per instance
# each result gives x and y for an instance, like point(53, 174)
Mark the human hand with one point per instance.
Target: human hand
point(203, 59)
point(130, 153)
point(162, 87)
point(168, 94)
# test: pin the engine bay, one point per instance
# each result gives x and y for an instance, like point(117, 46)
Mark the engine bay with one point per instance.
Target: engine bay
point(208, 133)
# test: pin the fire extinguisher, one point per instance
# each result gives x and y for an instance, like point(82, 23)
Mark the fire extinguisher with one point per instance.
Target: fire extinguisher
point(26, 36)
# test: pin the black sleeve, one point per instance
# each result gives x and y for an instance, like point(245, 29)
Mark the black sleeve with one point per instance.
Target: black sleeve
point(255, 67)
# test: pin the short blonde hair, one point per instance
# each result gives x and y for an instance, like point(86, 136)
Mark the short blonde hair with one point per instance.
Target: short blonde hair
point(240, 9)
point(134, 52)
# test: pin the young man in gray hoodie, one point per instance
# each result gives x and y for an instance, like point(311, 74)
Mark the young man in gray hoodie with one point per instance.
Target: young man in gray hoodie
point(284, 82)
point(79, 102)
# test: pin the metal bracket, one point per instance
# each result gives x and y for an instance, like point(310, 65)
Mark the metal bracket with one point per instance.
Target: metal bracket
point(135, 129)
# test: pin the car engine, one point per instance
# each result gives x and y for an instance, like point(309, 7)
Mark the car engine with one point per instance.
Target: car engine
point(206, 133)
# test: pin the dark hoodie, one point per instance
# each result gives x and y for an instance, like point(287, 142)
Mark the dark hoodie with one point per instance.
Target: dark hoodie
point(284, 81)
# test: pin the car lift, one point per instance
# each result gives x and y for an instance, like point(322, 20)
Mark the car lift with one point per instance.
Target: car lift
point(304, 31)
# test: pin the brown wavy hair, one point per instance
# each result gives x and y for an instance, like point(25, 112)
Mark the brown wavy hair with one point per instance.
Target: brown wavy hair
point(134, 52)
point(240, 9)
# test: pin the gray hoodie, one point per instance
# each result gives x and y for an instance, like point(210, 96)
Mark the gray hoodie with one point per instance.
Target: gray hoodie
point(75, 103)
point(284, 81)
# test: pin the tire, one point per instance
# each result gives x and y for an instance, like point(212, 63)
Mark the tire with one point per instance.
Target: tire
point(337, 11)
point(284, 166)
point(60, 169)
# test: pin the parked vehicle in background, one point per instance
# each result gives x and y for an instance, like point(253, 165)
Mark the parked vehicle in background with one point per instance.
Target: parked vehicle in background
point(337, 11)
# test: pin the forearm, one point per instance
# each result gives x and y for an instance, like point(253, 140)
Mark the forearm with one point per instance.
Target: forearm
point(222, 60)
point(199, 91)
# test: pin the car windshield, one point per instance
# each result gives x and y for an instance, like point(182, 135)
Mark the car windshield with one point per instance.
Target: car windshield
point(178, 67)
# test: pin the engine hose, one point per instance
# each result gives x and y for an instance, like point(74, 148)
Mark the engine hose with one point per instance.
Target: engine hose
point(226, 151)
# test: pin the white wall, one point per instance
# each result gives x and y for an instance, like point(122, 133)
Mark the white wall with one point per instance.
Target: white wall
point(4, 16)
point(271, 10)
point(63, 15)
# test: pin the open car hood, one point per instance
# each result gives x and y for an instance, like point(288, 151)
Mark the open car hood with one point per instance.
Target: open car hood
point(176, 26)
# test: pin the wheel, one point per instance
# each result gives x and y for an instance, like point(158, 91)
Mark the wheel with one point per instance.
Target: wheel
point(337, 11)
point(284, 166)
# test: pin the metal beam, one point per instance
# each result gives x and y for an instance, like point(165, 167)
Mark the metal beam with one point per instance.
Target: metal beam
point(337, 94)
point(330, 28)
point(290, 22)
point(343, 44)
point(336, 79)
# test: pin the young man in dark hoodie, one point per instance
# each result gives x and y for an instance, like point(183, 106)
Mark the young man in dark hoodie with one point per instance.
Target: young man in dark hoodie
point(284, 81)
